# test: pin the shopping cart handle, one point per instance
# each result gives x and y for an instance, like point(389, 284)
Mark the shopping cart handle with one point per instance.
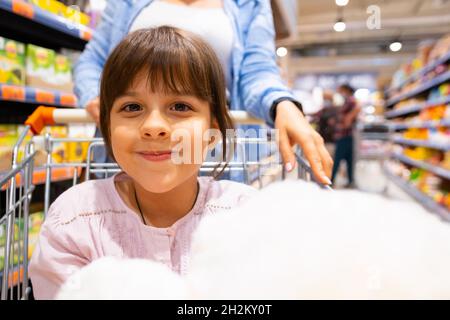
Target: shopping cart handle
point(47, 116)
point(41, 117)
point(302, 162)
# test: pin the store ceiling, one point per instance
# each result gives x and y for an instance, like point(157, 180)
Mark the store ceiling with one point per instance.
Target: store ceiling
point(411, 21)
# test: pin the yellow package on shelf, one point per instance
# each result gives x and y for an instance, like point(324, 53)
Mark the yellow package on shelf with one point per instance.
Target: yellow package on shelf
point(76, 16)
point(12, 62)
point(8, 138)
point(71, 13)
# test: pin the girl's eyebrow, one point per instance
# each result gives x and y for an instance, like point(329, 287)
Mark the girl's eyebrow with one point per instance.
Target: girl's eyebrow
point(129, 94)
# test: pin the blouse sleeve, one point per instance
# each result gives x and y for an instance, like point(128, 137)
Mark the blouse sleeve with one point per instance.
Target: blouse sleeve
point(88, 69)
point(260, 82)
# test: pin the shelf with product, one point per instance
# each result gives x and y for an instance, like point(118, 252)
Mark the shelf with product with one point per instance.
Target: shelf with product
point(36, 96)
point(68, 153)
point(428, 189)
point(429, 69)
point(419, 73)
point(46, 23)
point(418, 115)
point(416, 105)
point(439, 168)
point(40, 40)
point(35, 221)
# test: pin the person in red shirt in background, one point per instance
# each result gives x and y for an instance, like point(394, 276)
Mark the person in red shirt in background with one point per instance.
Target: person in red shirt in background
point(325, 120)
point(343, 134)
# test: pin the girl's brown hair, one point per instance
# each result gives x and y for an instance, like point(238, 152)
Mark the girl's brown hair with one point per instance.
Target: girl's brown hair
point(176, 62)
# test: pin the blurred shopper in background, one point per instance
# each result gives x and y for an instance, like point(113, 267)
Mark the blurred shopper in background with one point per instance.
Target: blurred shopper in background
point(325, 119)
point(343, 135)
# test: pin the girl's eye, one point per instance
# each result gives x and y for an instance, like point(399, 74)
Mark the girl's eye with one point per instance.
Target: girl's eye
point(180, 107)
point(132, 107)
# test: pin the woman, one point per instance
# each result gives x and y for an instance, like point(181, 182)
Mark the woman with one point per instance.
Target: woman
point(241, 32)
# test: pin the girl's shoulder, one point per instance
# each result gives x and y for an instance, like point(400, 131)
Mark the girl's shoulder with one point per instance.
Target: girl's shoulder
point(93, 198)
point(225, 194)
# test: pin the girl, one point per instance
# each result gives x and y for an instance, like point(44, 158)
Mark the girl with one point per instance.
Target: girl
point(156, 84)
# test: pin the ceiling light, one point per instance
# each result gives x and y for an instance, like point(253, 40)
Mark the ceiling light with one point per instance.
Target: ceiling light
point(282, 52)
point(341, 3)
point(339, 26)
point(395, 46)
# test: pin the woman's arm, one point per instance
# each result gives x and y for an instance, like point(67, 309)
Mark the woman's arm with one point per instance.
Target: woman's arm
point(261, 85)
point(88, 69)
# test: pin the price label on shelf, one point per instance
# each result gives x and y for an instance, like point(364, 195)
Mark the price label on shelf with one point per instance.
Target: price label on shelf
point(13, 93)
point(45, 97)
point(22, 8)
point(68, 100)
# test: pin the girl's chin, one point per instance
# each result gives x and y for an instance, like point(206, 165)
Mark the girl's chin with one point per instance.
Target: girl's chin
point(158, 182)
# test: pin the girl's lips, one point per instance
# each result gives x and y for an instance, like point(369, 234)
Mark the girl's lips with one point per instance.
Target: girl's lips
point(156, 155)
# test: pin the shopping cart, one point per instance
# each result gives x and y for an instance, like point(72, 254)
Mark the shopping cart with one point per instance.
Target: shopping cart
point(17, 188)
point(18, 183)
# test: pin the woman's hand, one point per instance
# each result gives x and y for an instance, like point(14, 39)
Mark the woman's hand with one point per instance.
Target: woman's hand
point(93, 108)
point(295, 129)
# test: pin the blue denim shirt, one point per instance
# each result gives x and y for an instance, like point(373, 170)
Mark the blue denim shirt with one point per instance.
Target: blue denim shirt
point(256, 82)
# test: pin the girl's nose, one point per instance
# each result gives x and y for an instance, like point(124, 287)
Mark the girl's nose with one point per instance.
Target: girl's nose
point(155, 126)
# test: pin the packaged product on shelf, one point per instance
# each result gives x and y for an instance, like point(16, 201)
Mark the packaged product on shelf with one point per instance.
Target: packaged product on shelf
point(446, 162)
point(441, 48)
point(51, 6)
point(433, 113)
point(424, 50)
point(12, 62)
point(416, 134)
point(60, 149)
point(40, 67)
point(418, 153)
point(408, 103)
point(73, 14)
point(77, 151)
point(48, 70)
point(63, 74)
point(8, 138)
point(444, 89)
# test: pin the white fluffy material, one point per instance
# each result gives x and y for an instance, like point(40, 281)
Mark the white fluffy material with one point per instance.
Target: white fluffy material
point(124, 279)
point(295, 241)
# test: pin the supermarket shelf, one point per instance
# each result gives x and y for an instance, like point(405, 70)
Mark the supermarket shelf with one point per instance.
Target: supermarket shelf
point(58, 174)
point(373, 136)
point(421, 197)
point(417, 107)
point(422, 143)
point(36, 96)
point(420, 124)
point(429, 67)
point(26, 22)
point(444, 173)
point(371, 156)
point(420, 89)
point(17, 276)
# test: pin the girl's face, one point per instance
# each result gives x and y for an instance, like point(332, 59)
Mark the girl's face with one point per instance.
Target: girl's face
point(143, 125)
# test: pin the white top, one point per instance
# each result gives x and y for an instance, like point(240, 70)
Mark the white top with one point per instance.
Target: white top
point(211, 24)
